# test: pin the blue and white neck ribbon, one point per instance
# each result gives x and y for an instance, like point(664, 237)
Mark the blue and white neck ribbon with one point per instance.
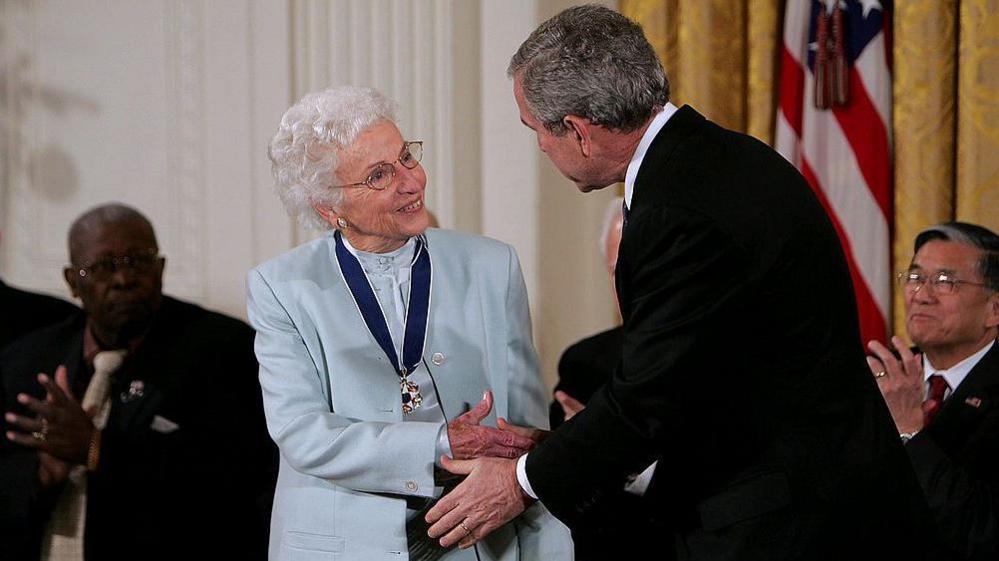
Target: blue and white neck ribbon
point(417, 314)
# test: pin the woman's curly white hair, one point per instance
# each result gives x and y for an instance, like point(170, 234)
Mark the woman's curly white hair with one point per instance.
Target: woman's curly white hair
point(303, 153)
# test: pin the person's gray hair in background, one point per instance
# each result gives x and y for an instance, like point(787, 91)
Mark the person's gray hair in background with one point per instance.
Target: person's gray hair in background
point(303, 153)
point(590, 62)
point(971, 235)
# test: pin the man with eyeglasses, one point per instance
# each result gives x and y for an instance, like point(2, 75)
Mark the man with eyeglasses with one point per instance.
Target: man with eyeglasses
point(944, 395)
point(135, 428)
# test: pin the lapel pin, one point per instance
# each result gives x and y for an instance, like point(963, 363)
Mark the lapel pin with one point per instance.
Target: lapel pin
point(135, 390)
point(975, 402)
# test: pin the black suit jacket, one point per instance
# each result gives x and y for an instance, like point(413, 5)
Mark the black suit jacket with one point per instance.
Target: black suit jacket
point(202, 491)
point(27, 311)
point(584, 368)
point(742, 367)
point(957, 461)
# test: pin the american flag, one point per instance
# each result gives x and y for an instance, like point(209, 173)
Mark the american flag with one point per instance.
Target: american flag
point(836, 130)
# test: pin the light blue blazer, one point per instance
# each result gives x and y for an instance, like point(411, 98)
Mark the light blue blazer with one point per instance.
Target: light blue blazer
point(333, 403)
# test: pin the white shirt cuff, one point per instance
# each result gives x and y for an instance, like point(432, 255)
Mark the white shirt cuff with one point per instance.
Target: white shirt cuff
point(443, 445)
point(641, 483)
point(522, 477)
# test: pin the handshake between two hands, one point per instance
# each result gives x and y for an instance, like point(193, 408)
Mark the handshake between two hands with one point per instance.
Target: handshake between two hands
point(469, 439)
point(490, 495)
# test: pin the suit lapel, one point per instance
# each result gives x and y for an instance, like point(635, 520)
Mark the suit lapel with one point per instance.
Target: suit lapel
point(975, 394)
point(970, 401)
point(360, 367)
point(151, 366)
point(458, 333)
point(76, 371)
point(653, 175)
point(658, 162)
point(351, 363)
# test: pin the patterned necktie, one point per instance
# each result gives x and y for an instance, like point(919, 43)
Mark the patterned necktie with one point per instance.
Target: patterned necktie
point(938, 386)
point(63, 538)
point(105, 364)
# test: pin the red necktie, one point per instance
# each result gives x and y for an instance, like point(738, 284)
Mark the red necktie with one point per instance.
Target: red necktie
point(932, 404)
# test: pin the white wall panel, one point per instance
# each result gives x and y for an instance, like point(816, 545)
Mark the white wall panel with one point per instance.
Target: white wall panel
point(510, 156)
point(149, 103)
point(168, 105)
point(402, 47)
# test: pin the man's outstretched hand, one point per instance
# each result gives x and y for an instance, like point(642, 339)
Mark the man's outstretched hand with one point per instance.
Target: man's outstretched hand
point(533, 434)
point(570, 405)
point(488, 498)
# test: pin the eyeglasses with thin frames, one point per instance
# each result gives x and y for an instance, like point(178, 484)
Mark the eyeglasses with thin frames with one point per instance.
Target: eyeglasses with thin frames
point(381, 177)
point(139, 262)
point(941, 282)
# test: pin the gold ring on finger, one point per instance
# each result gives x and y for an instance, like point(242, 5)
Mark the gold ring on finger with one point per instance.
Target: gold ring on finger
point(881, 374)
point(465, 528)
point(43, 433)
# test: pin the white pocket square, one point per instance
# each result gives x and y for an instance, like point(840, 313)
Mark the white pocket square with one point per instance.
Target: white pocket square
point(163, 425)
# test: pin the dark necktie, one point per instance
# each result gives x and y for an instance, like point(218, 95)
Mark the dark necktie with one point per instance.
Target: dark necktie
point(624, 212)
point(938, 386)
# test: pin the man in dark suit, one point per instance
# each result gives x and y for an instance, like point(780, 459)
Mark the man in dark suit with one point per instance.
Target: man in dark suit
point(742, 365)
point(25, 311)
point(944, 396)
point(583, 368)
point(173, 461)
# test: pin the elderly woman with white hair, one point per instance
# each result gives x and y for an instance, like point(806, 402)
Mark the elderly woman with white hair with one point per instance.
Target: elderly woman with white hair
point(376, 340)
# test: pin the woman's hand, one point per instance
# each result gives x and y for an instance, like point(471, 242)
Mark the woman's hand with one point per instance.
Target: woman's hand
point(470, 440)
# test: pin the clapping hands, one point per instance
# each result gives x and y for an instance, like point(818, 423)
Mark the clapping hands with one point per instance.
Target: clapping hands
point(901, 383)
point(60, 430)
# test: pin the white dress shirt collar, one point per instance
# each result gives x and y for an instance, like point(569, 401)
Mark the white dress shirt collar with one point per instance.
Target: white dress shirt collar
point(956, 374)
point(398, 262)
point(643, 146)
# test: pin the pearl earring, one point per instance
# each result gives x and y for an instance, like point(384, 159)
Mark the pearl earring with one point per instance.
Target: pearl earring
point(341, 223)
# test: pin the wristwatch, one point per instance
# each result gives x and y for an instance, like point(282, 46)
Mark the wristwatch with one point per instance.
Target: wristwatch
point(907, 436)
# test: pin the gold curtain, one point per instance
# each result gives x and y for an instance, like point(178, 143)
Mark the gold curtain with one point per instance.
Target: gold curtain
point(720, 56)
point(946, 119)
